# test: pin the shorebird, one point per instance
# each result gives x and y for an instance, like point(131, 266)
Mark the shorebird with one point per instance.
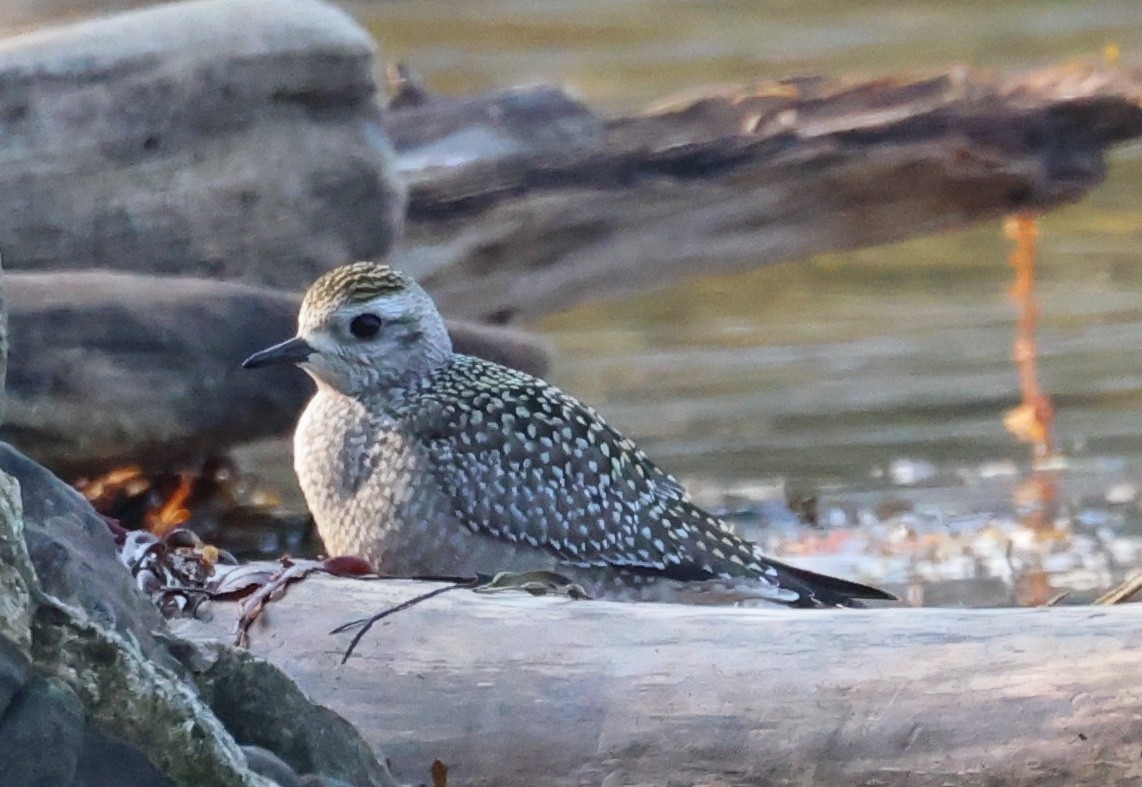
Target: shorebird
point(428, 462)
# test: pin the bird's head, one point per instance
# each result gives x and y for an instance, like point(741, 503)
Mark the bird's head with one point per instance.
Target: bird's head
point(363, 327)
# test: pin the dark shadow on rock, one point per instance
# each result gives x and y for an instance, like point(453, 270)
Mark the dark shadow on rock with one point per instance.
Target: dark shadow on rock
point(106, 762)
point(41, 734)
point(75, 558)
point(262, 706)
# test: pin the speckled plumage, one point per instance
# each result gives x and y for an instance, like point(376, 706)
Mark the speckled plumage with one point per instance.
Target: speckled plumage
point(428, 462)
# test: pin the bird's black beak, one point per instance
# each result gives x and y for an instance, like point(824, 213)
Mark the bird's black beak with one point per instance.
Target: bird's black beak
point(291, 351)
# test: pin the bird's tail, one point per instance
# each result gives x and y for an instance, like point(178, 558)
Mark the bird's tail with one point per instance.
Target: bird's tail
point(819, 590)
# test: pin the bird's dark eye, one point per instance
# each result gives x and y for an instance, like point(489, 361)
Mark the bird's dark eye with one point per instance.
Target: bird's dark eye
point(365, 326)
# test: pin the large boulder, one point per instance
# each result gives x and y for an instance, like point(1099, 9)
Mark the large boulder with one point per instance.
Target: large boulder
point(223, 138)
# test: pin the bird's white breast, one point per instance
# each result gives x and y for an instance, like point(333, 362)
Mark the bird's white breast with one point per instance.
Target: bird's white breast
point(355, 469)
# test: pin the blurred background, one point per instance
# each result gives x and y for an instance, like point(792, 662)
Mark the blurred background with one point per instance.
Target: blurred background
point(846, 409)
point(919, 333)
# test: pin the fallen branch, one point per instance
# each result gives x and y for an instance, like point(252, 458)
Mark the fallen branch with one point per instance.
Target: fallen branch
point(564, 208)
point(516, 690)
point(1121, 593)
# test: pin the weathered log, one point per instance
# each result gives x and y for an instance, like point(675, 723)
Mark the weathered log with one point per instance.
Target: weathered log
point(108, 368)
point(730, 182)
point(523, 691)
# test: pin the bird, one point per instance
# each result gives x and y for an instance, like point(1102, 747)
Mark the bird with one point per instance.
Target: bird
point(427, 462)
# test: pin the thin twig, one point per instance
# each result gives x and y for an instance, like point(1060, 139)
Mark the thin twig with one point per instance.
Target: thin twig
point(251, 607)
point(1122, 592)
point(367, 623)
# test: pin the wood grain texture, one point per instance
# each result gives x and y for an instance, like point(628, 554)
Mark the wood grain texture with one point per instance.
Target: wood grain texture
point(507, 223)
point(514, 690)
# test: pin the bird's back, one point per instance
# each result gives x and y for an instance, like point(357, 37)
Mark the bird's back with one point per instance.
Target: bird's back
point(512, 458)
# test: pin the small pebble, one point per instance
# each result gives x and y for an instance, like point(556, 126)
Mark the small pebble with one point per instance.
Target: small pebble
point(909, 472)
point(1122, 493)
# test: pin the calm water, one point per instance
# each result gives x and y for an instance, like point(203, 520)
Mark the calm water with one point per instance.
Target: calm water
point(621, 54)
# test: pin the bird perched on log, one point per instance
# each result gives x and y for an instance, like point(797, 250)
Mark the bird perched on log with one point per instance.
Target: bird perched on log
point(427, 462)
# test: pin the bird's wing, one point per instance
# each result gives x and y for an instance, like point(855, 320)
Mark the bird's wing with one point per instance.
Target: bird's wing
point(525, 462)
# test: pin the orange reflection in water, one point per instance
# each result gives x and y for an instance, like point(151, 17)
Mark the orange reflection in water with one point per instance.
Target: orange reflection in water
point(1031, 421)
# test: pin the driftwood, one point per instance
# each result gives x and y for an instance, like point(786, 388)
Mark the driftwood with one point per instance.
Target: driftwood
point(514, 690)
point(520, 205)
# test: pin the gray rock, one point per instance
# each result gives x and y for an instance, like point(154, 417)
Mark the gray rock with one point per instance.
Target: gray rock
point(45, 740)
point(112, 368)
point(75, 559)
point(72, 675)
point(3, 345)
point(218, 137)
point(138, 701)
point(17, 577)
point(101, 697)
point(262, 706)
point(41, 735)
point(270, 765)
point(315, 780)
point(125, 368)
